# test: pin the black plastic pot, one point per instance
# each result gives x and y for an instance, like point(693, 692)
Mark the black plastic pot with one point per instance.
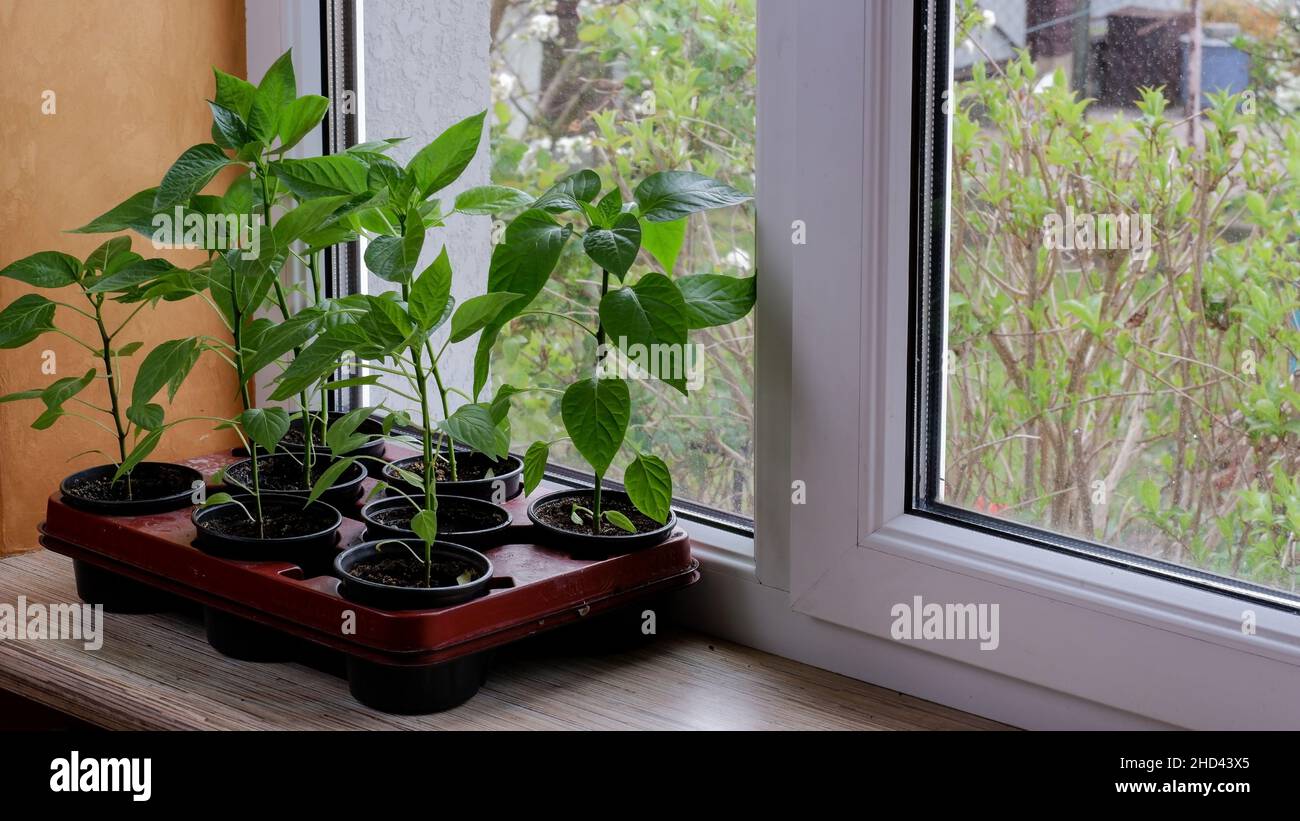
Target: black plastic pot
point(420, 689)
point(239, 638)
point(446, 505)
point(589, 543)
point(117, 593)
point(508, 471)
point(180, 478)
point(314, 552)
point(343, 494)
point(370, 427)
point(392, 597)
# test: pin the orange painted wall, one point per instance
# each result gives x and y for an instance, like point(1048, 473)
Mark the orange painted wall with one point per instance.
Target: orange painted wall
point(130, 78)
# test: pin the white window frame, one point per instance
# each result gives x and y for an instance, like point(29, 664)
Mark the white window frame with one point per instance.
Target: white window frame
point(1141, 644)
point(1083, 644)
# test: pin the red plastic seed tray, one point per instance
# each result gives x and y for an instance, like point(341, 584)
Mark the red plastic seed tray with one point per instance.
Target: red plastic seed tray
point(535, 587)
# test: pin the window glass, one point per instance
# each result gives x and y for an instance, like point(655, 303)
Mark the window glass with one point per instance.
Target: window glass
point(628, 89)
point(1123, 293)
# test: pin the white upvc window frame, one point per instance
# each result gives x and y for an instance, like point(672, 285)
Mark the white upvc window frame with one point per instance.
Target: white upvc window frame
point(1083, 644)
point(1138, 643)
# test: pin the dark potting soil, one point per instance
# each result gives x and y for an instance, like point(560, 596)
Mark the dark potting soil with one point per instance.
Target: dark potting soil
point(293, 437)
point(469, 467)
point(453, 517)
point(147, 481)
point(407, 571)
point(284, 473)
point(278, 521)
point(557, 513)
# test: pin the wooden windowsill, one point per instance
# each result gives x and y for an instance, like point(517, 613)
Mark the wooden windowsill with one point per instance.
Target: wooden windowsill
point(158, 672)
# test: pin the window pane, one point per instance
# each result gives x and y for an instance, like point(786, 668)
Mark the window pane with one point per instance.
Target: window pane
point(628, 89)
point(1123, 291)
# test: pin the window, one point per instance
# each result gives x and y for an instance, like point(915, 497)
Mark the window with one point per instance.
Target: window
point(625, 89)
point(628, 89)
point(1113, 302)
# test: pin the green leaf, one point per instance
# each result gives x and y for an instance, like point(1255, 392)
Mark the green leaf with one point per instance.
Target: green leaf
point(298, 119)
point(570, 192)
point(491, 199)
point(1149, 495)
point(341, 436)
point(149, 417)
point(664, 241)
point(596, 414)
point(24, 319)
point(619, 520)
point(326, 176)
point(521, 264)
point(234, 93)
point(306, 218)
point(279, 340)
point(431, 294)
point(716, 299)
point(329, 477)
point(439, 163)
point(276, 91)
point(671, 195)
point(501, 403)
point(168, 364)
point(650, 486)
point(265, 426)
point(651, 312)
point(45, 269)
point(394, 258)
point(615, 248)
point(135, 214)
point(139, 453)
point(187, 176)
point(58, 392)
point(110, 255)
point(478, 312)
point(228, 128)
point(535, 460)
point(603, 213)
point(425, 525)
point(472, 425)
point(20, 396)
point(132, 276)
point(317, 361)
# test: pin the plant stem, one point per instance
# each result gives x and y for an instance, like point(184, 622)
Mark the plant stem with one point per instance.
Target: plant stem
point(426, 435)
point(600, 355)
point(238, 330)
point(430, 471)
point(446, 412)
point(112, 380)
point(309, 450)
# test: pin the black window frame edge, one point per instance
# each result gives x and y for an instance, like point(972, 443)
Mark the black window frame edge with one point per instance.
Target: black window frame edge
point(343, 266)
point(338, 46)
point(931, 52)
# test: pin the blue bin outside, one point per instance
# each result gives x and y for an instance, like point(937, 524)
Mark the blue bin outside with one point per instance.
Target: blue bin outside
point(1224, 67)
